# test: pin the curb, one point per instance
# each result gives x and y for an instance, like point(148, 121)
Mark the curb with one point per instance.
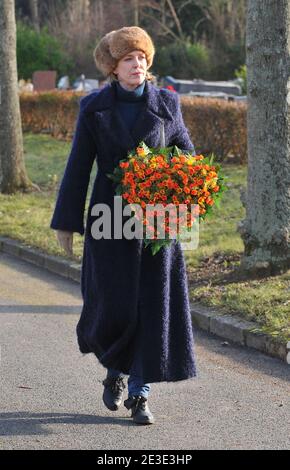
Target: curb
point(55, 264)
point(226, 326)
point(239, 331)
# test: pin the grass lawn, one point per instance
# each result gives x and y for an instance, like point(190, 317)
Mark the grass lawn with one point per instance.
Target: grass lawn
point(212, 277)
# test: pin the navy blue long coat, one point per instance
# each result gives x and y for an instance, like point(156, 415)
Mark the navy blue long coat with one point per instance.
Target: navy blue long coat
point(136, 315)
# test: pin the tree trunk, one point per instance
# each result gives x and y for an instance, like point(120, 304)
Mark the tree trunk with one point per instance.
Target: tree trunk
point(12, 170)
point(101, 21)
point(136, 12)
point(33, 5)
point(266, 229)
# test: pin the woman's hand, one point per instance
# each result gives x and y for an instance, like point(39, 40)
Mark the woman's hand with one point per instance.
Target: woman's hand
point(65, 240)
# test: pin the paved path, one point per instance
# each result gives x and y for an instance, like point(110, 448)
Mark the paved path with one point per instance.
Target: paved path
point(51, 394)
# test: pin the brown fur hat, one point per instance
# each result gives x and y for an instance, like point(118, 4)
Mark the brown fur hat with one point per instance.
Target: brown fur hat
point(116, 44)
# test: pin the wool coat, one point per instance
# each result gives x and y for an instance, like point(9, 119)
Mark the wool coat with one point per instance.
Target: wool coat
point(135, 315)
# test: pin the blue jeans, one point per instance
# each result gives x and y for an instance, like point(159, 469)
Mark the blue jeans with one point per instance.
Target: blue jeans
point(135, 384)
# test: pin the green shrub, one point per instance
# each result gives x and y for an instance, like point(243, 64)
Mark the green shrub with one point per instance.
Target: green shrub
point(183, 60)
point(39, 51)
point(242, 73)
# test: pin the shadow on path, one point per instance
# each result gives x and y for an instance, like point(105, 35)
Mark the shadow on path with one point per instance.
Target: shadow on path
point(56, 309)
point(237, 356)
point(62, 284)
point(24, 423)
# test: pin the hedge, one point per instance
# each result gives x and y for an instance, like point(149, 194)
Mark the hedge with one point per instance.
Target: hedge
point(214, 125)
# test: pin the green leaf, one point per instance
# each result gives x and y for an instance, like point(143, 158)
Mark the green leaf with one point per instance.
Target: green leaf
point(176, 151)
point(164, 150)
point(211, 159)
point(217, 203)
point(119, 190)
point(144, 146)
point(155, 248)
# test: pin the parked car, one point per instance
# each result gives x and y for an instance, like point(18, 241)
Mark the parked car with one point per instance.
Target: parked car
point(216, 94)
point(202, 86)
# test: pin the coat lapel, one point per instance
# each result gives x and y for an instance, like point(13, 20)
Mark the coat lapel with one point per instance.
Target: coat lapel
point(109, 121)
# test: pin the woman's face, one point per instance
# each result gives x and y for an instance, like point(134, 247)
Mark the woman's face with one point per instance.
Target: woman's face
point(131, 69)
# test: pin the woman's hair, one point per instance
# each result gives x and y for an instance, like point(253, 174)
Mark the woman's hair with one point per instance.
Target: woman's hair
point(113, 77)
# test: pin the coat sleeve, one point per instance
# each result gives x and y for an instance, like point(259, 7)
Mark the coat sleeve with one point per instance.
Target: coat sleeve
point(70, 204)
point(181, 137)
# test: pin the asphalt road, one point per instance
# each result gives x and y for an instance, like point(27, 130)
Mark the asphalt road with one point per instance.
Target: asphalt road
point(51, 393)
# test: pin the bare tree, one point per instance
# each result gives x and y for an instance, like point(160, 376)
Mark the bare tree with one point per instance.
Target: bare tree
point(80, 21)
point(162, 14)
point(79, 11)
point(13, 175)
point(98, 15)
point(227, 19)
point(266, 229)
point(175, 17)
point(33, 5)
point(135, 6)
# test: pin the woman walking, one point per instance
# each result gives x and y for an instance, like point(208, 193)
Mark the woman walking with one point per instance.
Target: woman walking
point(136, 315)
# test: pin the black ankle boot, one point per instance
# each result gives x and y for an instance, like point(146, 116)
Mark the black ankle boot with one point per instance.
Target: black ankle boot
point(113, 392)
point(140, 410)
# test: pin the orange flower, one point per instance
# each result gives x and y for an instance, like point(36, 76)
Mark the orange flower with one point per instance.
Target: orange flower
point(197, 167)
point(124, 164)
point(177, 166)
point(212, 174)
point(209, 201)
point(140, 151)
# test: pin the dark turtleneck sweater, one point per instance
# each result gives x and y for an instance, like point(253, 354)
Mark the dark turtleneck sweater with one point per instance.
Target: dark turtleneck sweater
point(130, 103)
